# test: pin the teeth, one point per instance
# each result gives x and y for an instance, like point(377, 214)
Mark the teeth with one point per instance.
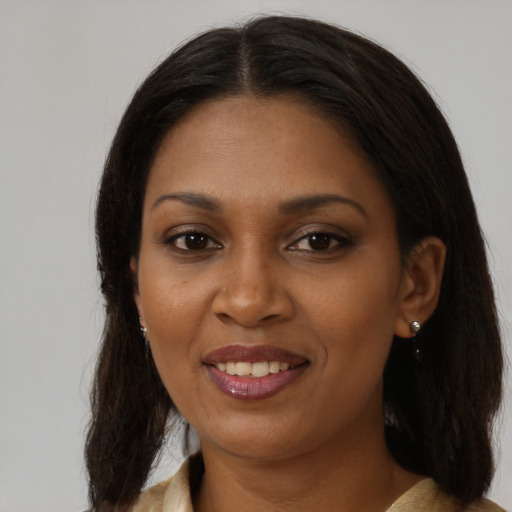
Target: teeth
point(274, 366)
point(259, 369)
point(243, 369)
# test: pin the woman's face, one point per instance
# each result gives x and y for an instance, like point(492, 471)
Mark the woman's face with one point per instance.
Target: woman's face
point(269, 249)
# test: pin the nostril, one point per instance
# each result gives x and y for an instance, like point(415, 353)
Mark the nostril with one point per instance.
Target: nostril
point(248, 315)
point(249, 298)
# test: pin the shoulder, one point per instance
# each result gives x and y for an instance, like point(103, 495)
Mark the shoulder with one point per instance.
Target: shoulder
point(172, 495)
point(152, 499)
point(426, 496)
point(485, 505)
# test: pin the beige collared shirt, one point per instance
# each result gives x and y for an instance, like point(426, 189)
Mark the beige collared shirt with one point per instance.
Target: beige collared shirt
point(173, 495)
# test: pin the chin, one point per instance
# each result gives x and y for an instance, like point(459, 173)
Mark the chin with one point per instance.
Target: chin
point(253, 441)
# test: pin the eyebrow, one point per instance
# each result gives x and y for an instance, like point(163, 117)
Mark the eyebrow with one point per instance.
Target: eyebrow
point(300, 204)
point(305, 203)
point(191, 199)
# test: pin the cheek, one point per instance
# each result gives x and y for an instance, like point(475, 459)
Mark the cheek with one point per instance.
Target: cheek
point(170, 303)
point(174, 310)
point(364, 297)
point(354, 319)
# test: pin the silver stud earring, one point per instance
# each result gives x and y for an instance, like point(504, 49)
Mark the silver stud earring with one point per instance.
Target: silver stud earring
point(415, 328)
point(143, 332)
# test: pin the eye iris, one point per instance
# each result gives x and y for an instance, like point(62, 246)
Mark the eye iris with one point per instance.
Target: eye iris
point(320, 242)
point(196, 241)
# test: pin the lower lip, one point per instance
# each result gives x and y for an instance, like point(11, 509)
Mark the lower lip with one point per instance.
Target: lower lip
point(257, 388)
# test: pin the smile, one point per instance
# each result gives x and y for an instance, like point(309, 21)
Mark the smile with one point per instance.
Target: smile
point(253, 373)
point(254, 370)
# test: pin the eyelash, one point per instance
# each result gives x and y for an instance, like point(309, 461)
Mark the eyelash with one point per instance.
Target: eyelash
point(171, 240)
point(341, 242)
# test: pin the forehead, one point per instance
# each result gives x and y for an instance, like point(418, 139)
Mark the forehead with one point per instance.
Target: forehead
point(256, 149)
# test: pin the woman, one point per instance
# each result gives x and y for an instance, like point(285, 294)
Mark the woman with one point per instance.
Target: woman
point(291, 260)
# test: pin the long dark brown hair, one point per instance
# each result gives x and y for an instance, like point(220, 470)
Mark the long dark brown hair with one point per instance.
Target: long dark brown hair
point(438, 412)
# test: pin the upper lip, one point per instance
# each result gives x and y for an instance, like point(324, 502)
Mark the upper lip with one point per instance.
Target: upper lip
point(253, 354)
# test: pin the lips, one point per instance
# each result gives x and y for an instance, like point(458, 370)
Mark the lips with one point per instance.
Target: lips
point(253, 372)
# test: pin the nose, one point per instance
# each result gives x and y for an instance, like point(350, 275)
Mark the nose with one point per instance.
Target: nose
point(251, 291)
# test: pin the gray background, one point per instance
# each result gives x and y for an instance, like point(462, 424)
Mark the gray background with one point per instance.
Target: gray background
point(67, 71)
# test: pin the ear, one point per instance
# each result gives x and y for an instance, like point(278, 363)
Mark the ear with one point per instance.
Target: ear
point(421, 284)
point(136, 294)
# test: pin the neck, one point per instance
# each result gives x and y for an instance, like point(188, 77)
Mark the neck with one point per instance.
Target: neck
point(339, 475)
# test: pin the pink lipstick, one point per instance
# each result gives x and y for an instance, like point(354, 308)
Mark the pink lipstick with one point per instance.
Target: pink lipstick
point(253, 372)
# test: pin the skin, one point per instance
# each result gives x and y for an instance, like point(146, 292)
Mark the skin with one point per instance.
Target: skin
point(259, 278)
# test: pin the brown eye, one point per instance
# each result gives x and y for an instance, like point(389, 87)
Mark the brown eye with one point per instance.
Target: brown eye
point(196, 241)
point(320, 241)
point(193, 242)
